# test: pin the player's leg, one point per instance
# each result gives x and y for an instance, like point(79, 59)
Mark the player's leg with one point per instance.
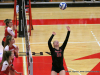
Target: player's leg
point(53, 73)
point(62, 72)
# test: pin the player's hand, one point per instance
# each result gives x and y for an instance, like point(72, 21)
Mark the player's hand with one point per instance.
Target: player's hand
point(14, 27)
point(53, 33)
point(68, 28)
point(16, 49)
point(19, 73)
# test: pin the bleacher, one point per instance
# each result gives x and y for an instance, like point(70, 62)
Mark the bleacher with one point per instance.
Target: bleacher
point(11, 1)
point(53, 3)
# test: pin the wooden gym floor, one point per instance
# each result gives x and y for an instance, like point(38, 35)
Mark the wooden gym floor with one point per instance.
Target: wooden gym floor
point(84, 39)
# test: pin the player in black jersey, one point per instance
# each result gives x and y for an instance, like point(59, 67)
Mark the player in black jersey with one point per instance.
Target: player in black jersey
point(57, 54)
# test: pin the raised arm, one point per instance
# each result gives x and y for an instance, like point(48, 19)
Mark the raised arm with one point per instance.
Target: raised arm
point(66, 39)
point(49, 41)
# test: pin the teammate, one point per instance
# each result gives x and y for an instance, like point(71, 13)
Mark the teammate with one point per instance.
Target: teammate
point(8, 30)
point(6, 63)
point(9, 46)
point(57, 54)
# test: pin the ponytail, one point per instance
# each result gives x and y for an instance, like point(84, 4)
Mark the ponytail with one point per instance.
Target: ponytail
point(8, 38)
point(5, 57)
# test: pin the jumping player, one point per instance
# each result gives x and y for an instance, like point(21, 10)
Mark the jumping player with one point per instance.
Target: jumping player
point(57, 54)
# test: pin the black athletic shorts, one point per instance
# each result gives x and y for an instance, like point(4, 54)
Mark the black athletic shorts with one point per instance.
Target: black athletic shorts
point(57, 69)
point(3, 43)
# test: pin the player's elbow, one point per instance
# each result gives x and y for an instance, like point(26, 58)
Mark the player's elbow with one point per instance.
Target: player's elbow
point(48, 42)
point(15, 36)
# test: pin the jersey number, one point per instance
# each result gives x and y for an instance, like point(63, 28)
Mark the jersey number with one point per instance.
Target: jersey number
point(58, 54)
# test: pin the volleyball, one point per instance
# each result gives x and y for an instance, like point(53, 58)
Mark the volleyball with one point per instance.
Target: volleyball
point(62, 5)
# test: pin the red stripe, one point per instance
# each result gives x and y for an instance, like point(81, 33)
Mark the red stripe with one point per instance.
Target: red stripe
point(42, 65)
point(2, 23)
point(95, 70)
point(61, 21)
point(18, 65)
point(96, 55)
point(65, 21)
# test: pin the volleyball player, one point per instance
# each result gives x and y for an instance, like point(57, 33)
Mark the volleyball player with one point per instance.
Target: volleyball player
point(9, 46)
point(57, 54)
point(6, 63)
point(8, 30)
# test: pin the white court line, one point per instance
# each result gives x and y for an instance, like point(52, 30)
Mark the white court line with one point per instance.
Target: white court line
point(24, 59)
point(95, 38)
point(59, 42)
point(74, 70)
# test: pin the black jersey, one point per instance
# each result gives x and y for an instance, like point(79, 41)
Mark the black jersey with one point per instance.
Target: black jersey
point(57, 55)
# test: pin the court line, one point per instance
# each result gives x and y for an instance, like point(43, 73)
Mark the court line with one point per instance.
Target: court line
point(95, 38)
point(24, 59)
point(59, 42)
point(74, 70)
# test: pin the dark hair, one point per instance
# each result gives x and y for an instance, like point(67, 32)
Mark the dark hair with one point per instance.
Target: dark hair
point(8, 38)
point(5, 57)
point(6, 21)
